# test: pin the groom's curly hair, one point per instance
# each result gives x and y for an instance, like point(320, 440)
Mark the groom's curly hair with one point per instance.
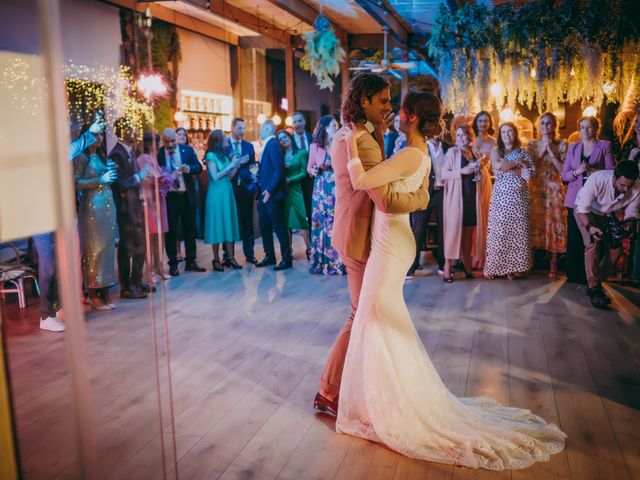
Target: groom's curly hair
point(363, 85)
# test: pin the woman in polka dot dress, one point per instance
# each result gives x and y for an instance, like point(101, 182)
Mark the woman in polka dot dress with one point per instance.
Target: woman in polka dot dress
point(509, 250)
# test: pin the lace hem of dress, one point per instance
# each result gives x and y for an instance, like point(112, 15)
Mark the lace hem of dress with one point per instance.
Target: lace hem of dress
point(511, 438)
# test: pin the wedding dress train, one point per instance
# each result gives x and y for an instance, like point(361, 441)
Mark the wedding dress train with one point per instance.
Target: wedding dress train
point(391, 392)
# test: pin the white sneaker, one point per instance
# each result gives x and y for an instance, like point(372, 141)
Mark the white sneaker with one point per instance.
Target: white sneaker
point(52, 324)
point(440, 272)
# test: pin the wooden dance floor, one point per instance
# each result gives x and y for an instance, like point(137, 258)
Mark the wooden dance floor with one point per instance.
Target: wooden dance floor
point(247, 348)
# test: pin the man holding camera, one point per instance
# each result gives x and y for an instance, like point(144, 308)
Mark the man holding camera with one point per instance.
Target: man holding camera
point(604, 194)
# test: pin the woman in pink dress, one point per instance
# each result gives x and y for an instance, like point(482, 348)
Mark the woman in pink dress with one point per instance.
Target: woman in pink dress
point(154, 210)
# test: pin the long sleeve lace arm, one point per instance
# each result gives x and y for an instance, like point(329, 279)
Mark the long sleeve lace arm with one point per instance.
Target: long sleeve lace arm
point(401, 165)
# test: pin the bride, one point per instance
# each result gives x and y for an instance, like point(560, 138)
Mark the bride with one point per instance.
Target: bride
point(391, 392)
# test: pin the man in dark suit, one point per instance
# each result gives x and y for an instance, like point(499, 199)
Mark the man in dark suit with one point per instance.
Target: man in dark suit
point(302, 141)
point(132, 246)
point(245, 186)
point(271, 195)
point(182, 162)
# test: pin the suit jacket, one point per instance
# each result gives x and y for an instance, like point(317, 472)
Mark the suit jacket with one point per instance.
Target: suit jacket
point(351, 234)
point(309, 138)
point(126, 188)
point(271, 173)
point(244, 178)
point(389, 143)
point(189, 157)
point(601, 158)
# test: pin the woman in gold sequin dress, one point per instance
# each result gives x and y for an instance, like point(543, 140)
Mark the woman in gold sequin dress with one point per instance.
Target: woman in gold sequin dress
point(96, 222)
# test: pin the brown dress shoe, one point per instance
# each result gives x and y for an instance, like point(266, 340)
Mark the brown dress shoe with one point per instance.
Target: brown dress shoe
point(325, 405)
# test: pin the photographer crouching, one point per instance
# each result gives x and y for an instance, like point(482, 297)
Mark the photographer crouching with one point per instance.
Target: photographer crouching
point(604, 194)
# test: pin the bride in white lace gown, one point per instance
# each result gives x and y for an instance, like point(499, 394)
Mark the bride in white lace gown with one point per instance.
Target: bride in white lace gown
point(391, 392)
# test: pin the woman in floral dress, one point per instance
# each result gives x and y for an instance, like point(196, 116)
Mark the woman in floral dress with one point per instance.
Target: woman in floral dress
point(324, 258)
point(548, 215)
point(509, 229)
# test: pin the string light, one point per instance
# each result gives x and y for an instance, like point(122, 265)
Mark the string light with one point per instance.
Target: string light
point(276, 119)
point(590, 111)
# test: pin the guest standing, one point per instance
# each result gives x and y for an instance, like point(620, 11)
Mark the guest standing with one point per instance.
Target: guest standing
point(44, 243)
point(221, 217)
point(181, 163)
point(631, 152)
point(245, 185)
point(460, 200)
point(272, 191)
point(132, 247)
point(97, 222)
point(420, 220)
point(325, 260)
point(484, 144)
point(156, 183)
point(509, 226)
point(583, 158)
point(548, 216)
point(295, 165)
point(302, 141)
point(182, 136)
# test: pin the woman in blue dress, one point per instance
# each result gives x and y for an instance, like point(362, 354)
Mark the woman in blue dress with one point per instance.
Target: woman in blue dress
point(221, 213)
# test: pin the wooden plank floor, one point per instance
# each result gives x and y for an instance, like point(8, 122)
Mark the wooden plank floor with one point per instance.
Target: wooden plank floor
point(247, 348)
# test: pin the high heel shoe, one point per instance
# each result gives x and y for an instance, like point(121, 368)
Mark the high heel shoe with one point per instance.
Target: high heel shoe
point(217, 267)
point(467, 274)
point(308, 252)
point(448, 279)
point(96, 304)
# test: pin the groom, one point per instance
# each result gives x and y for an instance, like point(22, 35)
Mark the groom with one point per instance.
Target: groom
point(367, 102)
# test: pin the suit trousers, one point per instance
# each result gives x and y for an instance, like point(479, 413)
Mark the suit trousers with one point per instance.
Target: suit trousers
point(271, 216)
point(596, 268)
point(180, 212)
point(47, 279)
point(332, 374)
point(420, 225)
point(132, 251)
point(244, 203)
point(574, 259)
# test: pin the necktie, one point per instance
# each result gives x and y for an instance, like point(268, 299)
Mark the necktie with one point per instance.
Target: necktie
point(303, 142)
point(174, 166)
point(236, 149)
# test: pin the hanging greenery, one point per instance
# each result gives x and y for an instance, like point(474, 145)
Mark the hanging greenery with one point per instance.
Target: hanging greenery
point(541, 53)
point(323, 53)
point(166, 55)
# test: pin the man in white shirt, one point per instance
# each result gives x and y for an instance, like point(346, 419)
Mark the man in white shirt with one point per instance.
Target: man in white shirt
point(420, 219)
point(603, 194)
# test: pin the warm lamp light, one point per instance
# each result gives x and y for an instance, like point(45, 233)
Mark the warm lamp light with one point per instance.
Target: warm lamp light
point(609, 87)
point(178, 116)
point(151, 85)
point(288, 121)
point(572, 72)
point(497, 90)
point(590, 111)
point(276, 119)
point(507, 115)
point(261, 118)
point(533, 73)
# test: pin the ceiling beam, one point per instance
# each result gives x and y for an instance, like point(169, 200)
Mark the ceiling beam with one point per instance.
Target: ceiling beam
point(179, 20)
point(384, 16)
point(308, 14)
point(245, 19)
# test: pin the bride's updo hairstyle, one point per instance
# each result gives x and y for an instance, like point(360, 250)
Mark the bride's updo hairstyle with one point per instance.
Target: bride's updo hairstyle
point(428, 109)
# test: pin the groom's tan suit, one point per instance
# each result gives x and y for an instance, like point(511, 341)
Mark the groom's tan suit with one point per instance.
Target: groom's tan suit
point(351, 235)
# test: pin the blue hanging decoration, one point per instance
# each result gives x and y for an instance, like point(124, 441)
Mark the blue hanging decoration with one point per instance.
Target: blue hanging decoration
point(323, 53)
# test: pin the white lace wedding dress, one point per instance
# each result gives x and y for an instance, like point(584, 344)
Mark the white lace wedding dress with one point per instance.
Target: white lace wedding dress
point(392, 394)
